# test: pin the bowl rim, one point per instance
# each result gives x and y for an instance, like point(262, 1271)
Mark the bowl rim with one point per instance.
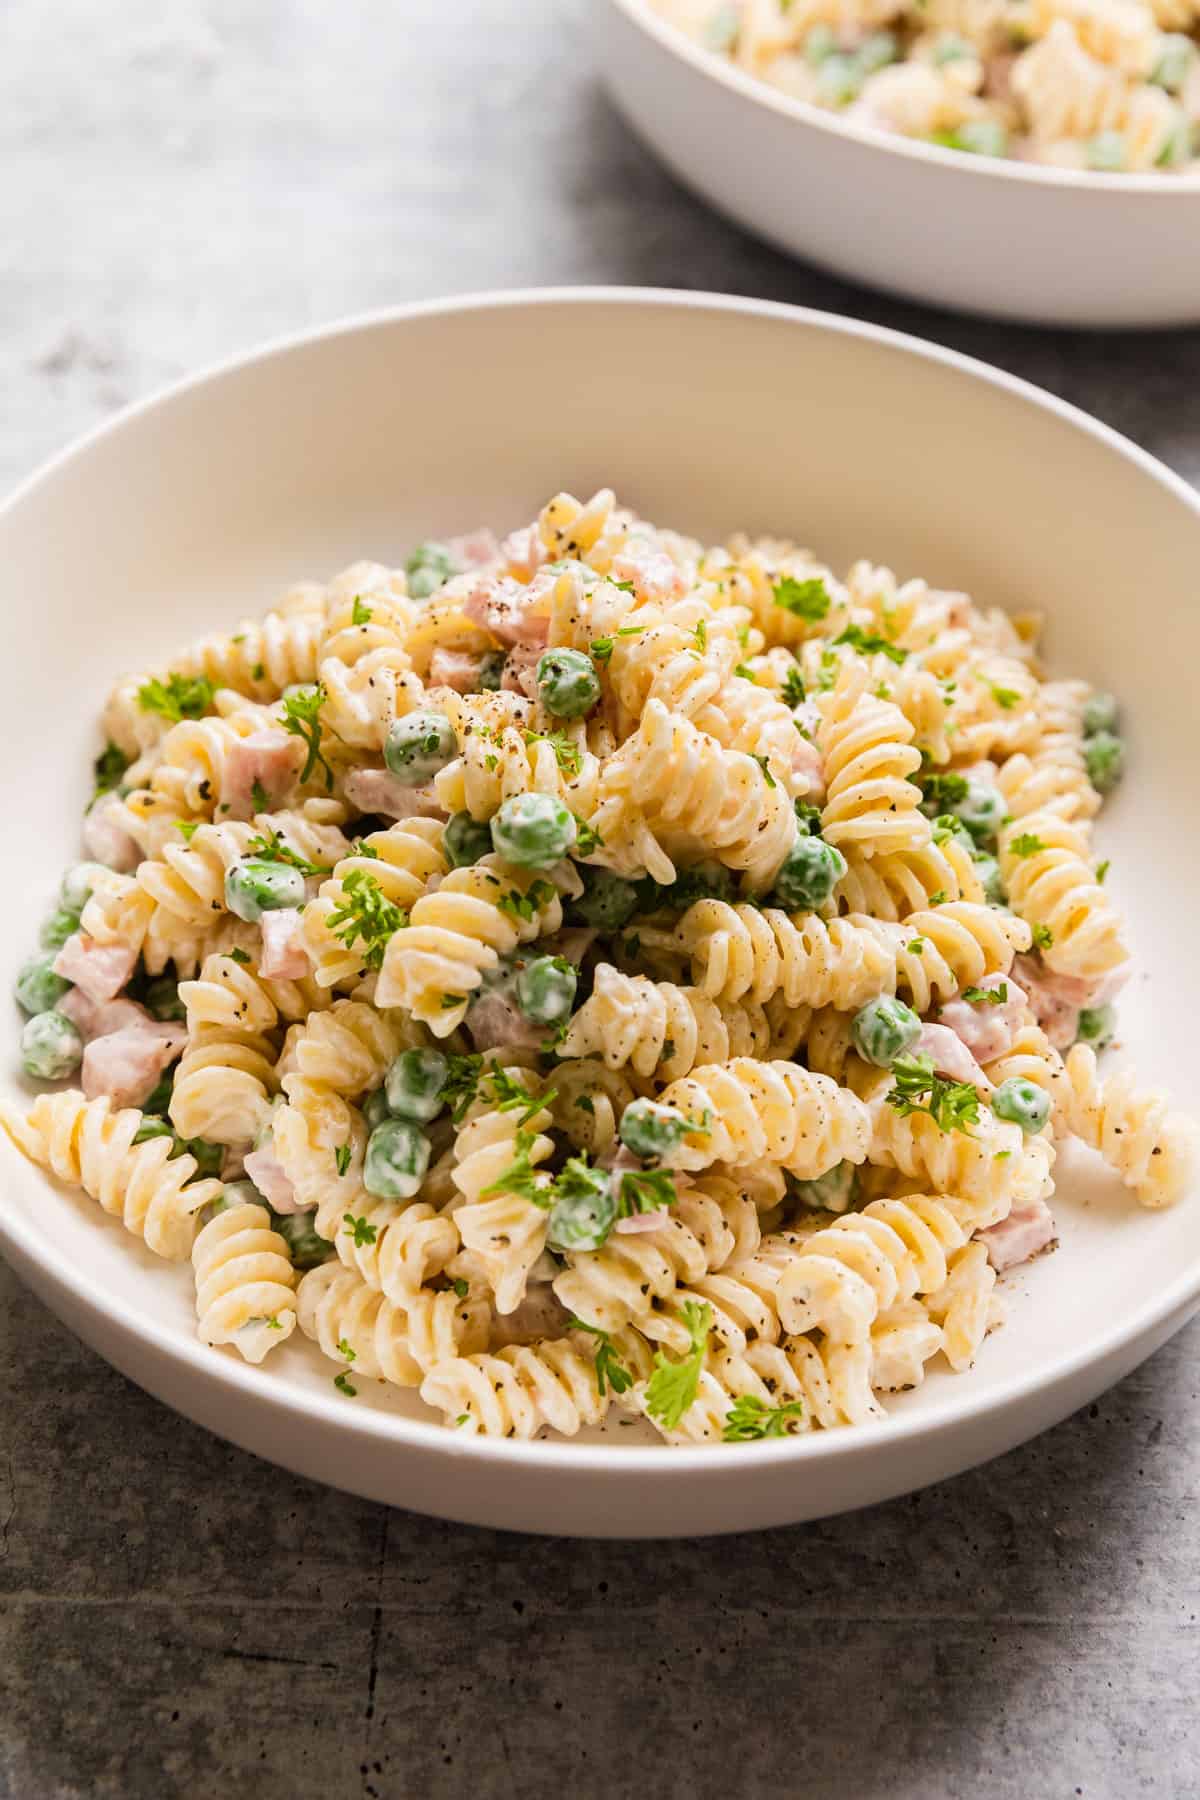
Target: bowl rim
point(656, 1461)
point(712, 67)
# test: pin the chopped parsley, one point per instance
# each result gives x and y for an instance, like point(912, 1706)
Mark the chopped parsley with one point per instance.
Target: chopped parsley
point(645, 1190)
point(943, 790)
point(977, 996)
point(701, 636)
point(461, 1084)
point(366, 913)
point(1043, 937)
point(600, 649)
point(361, 1230)
point(462, 1288)
point(587, 838)
point(938, 898)
point(301, 717)
point(259, 796)
point(526, 905)
point(750, 1418)
point(793, 687)
point(916, 947)
point(626, 587)
point(871, 644)
point(187, 828)
point(952, 1105)
point(341, 1157)
point(508, 1094)
point(1005, 697)
point(746, 673)
point(610, 1373)
point(1102, 870)
point(344, 1385)
point(520, 1177)
point(258, 672)
point(108, 769)
point(566, 754)
point(766, 769)
point(360, 612)
point(673, 1387)
point(449, 1001)
point(180, 697)
point(345, 1350)
point(271, 848)
point(1026, 843)
point(239, 956)
point(804, 599)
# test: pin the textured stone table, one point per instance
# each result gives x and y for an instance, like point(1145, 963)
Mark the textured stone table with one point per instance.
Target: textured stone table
point(181, 179)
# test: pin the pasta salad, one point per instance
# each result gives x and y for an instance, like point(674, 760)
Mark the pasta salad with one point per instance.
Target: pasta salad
point(1106, 85)
point(591, 970)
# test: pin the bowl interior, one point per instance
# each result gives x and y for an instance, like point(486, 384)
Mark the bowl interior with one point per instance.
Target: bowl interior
point(707, 415)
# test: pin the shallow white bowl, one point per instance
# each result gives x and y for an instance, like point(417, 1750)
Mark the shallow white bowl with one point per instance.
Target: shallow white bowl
point(705, 413)
point(1008, 239)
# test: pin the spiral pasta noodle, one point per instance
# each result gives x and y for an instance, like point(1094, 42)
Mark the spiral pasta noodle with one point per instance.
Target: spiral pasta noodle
point(1051, 885)
point(245, 1283)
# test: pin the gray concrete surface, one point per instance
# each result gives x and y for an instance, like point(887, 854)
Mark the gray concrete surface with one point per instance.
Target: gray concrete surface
point(179, 180)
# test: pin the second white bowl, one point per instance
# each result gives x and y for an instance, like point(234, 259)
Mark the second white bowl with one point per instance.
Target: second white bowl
point(1008, 239)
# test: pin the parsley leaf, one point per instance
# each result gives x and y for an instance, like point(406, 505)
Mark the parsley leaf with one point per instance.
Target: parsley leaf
point(461, 1288)
point(301, 718)
point(746, 673)
point(526, 905)
point(271, 848)
point(978, 996)
point(804, 599)
point(566, 754)
point(1026, 843)
point(610, 1373)
point(871, 644)
point(346, 1350)
point(952, 1105)
point(362, 1230)
point(600, 649)
point(344, 1385)
point(238, 955)
point(508, 1093)
point(1005, 697)
point(766, 769)
point(1043, 937)
point(259, 796)
point(181, 697)
point(108, 768)
point(673, 1387)
point(750, 1418)
point(461, 1084)
point(793, 687)
point(520, 1177)
point(187, 828)
point(341, 1157)
point(587, 838)
point(645, 1190)
point(366, 912)
point(701, 636)
point(1102, 870)
point(360, 612)
point(942, 790)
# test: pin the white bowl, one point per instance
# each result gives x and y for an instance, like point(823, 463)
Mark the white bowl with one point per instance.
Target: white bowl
point(1008, 239)
point(706, 413)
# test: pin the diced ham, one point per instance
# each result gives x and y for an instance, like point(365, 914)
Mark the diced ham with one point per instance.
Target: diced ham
point(127, 1064)
point(950, 1056)
point(101, 970)
point(512, 612)
point(1057, 1000)
point(475, 547)
point(988, 1030)
point(653, 574)
point(1027, 1230)
point(496, 1022)
point(98, 1019)
point(806, 761)
point(378, 791)
point(636, 1223)
point(268, 761)
point(455, 669)
point(284, 957)
point(106, 841)
point(520, 672)
point(524, 552)
point(267, 1173)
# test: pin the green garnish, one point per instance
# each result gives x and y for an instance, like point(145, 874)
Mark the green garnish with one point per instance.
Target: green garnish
point(943, 791)
point(271, 848)
point(1043, 937)
point(526, 905)
point(750, 1418)
point(259, 796)
point(108, 768)
point(645, 1190)
point(870, 644)
point(566, 754)
point(766, 769)
point(673, 1387)
point(187, 828)
point(1026, 844)
point(360, 613)
point(978, 996)
point(344, 1385)
point(344, 1349)
point(341, 1157)
point(239, 956)
point(181, 697)
point(301, 718)
point(746, 673)
point(952, 1105)
point(600, 649)
point(793, 687)
point(462, 1288)
point(610, 1373)
point(362, 1231)
point(520, 1177)
point(805, 599)
point(366, 912)
point(461, 1084)
point(587, 838)
point(1005, 697)
point(1102, 870)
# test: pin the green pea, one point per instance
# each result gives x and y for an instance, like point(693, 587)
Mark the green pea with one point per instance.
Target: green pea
point(1022, 1103)
point(950, 48)
point(839, 79)
point(51, 1047)
point(208, 1157)
point(240, 1193)
point(414, 1085)
point(811, 870)
point(1177, 58)
point(159, 1098)
point(162, 999)
point(1104, 758)
point(982, 810)
point(1100, 713)
point(418, 746)
point(988, 871)
point(884, 1029)
point(820, 44)
point(465, 840)
point(546, 990)
point(568, 685)
point(396, 1161)
point(876, 52)
point(61, 925)
point(584, 1210)
point(375, 1108)
point(428, 568)
point(607, 901)
point(77, 884)
point(533, 830)
point(253, 887)
point(832, 1192)
point(977, 137)
point(38, 988)
point(1105, 151)
point(650, 1129)
point(491, 670)
point(308, 1247)
point(1097, 1026)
